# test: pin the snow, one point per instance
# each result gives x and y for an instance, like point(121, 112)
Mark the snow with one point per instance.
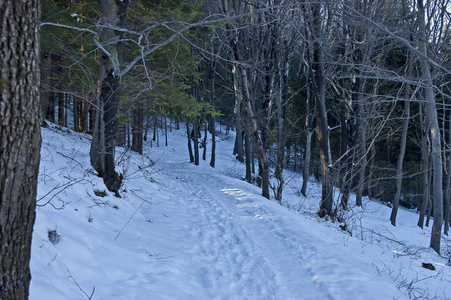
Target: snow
point(182, 231)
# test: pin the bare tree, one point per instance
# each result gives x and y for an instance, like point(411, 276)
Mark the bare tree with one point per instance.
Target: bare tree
point(434, 130)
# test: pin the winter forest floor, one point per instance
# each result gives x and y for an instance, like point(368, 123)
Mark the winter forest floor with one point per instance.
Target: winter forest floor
point(182, 231)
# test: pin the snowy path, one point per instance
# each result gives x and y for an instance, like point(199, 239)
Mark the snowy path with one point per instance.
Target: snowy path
point(242, 246)
point(194, 232)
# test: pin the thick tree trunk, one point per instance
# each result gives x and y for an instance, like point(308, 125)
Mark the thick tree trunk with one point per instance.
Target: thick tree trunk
point(102, 152)
point(20, 141)
point(322, 128)
point(110, 97)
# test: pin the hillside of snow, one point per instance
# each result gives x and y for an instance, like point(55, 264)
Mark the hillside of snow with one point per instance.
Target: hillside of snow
point(182, 231)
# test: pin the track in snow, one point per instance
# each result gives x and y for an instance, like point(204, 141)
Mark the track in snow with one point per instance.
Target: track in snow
point(244, 249)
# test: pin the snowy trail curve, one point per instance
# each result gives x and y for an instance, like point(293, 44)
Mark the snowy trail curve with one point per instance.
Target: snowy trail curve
point(252, 248)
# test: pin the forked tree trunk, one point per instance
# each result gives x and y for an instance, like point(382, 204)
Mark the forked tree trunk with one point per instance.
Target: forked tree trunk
point(102, 152)
point(20, 141)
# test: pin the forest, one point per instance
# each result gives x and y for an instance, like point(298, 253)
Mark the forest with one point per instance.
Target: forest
point(353, 93)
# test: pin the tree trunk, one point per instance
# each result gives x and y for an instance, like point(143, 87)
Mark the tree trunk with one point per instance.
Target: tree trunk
point(204, 141)
point(281, 138)
point(252, 130)
point(165, 131)
point(76, 104)
point(213, 141)
point(307, 155)
point(402, 151)
point(248, 148)
point(195, 138)
point(109, 95)
point(20, 142)
point(424, 167)
point(362, 162)
point(370, 188)
point(138, 127)
point(46, 73)
point(322, 128)
point(190, 148)
point(446, 214)
point(238, 148)
point(435, 136)
point(102, 150)
point(61, 108)
point(310, 109)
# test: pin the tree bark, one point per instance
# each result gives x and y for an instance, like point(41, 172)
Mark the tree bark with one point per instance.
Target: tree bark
point(102, 152)
point(446, 214)
point(402, 151)
point(238, 148)
point(252, 130)
point(322, 128)
point(213, 141)
point(424, 167)
point(190, 147)
point(362, 160)
point(435, 136)
point(20, 141)
point(138, 127)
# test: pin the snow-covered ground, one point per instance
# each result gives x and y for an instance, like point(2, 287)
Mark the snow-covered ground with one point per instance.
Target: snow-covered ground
point(194, 232)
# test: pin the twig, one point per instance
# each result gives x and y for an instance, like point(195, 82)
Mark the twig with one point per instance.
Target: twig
point(130, 219)
point(58, 186)
point(75, 281)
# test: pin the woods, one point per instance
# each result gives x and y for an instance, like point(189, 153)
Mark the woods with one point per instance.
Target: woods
point(353, 93)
